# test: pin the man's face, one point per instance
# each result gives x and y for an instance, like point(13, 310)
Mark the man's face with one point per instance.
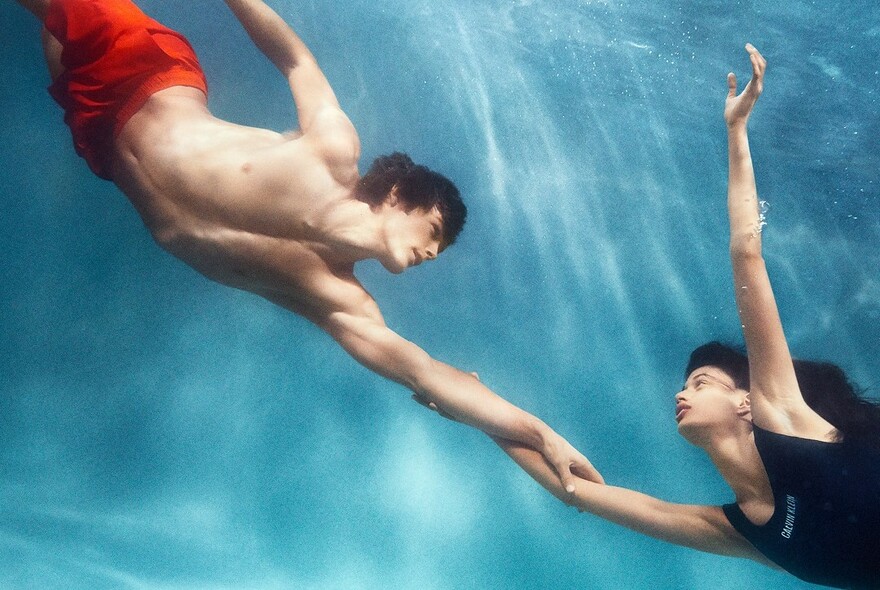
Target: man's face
point(412, 236)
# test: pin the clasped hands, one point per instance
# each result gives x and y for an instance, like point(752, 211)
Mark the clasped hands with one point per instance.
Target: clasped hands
point(568, 463)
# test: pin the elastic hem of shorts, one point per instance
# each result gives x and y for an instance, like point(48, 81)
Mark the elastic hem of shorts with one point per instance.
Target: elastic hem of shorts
point(157, 82)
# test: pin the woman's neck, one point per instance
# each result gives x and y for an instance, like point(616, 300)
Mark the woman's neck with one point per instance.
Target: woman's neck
point(738, 461)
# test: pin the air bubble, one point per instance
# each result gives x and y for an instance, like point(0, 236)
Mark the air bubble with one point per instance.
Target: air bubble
point(764, 206)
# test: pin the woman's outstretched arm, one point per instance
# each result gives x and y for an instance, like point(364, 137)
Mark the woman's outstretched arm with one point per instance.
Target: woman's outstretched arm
point(776, 400)
point(704, 528)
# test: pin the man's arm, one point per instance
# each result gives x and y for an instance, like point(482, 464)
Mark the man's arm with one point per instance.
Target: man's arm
point(704, 528)
point(460, 395)
point(776, 399)
point(269, 32)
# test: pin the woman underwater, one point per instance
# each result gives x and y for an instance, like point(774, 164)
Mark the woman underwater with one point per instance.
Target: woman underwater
point(798, 447)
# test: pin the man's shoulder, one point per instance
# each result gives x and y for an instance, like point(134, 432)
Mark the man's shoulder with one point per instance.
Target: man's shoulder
point(333, 136)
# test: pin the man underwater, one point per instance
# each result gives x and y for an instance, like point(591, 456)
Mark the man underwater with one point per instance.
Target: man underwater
point(285, 216)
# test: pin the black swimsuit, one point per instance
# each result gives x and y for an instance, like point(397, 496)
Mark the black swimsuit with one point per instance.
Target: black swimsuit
point(826, 525)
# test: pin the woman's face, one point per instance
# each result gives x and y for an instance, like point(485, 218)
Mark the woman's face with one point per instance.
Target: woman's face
point(709, 401)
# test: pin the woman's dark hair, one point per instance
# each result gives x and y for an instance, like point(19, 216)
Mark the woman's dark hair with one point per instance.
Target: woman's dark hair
point(825, 388)
point(418, 187)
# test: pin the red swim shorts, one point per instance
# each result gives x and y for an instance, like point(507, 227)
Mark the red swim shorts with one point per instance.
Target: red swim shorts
point(115, 57)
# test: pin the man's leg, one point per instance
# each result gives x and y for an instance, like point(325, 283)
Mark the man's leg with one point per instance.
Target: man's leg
point(37, 7)
point(51, 45)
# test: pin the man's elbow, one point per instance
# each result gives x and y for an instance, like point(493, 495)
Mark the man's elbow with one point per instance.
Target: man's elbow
point(292, 63)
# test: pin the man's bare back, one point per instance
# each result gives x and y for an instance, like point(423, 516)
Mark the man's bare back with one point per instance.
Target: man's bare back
point(287, 216)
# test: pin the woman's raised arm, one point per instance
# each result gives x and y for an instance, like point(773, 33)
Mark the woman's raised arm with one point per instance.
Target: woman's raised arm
point(776, 400)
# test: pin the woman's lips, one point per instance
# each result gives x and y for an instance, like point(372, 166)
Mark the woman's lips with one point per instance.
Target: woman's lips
point(680, 410)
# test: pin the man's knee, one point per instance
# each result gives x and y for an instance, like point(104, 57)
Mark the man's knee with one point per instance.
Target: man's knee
point(52, 50)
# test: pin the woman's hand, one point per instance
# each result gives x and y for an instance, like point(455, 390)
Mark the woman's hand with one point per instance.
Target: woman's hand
point(738, 108)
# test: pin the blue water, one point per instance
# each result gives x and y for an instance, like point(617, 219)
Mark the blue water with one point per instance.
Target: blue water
point(159, 431)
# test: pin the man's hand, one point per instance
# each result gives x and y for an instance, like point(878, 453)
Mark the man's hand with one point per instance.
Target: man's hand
point(568, 462)
point(738, 108)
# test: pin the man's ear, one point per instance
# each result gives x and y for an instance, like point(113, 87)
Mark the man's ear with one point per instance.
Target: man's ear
point(392, 199)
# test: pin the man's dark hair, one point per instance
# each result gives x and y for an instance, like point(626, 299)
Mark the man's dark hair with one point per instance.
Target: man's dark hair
point(825, 388)
point(418, 187)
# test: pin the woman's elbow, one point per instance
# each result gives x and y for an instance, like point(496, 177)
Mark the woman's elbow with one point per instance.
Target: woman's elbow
point(745, 246)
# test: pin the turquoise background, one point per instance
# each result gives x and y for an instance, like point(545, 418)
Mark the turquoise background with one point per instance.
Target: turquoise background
point(159, 431)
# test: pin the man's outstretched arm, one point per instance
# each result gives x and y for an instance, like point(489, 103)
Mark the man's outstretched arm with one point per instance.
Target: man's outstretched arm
point(460, 395)
point(272, 35)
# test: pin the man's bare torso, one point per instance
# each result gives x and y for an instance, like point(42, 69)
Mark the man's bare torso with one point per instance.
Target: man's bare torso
point(210, 191)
